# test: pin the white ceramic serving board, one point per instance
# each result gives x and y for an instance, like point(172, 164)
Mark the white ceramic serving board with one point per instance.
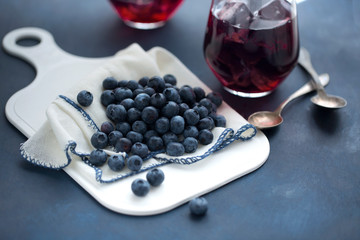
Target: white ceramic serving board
point(56, 71)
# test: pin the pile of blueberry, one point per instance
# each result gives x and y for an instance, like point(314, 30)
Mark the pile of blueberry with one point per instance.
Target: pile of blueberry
point(152, 114)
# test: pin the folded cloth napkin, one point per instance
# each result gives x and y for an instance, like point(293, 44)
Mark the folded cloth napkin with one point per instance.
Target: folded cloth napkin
point(65, 136)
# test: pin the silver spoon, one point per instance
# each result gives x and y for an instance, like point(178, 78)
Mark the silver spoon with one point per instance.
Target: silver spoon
point(267, 119)
point(321, 99)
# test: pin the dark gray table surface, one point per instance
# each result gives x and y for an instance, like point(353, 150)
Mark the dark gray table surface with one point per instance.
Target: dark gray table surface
point(307, 189)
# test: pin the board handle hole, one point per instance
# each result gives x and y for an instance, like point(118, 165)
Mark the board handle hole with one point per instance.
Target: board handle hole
point(28, 41)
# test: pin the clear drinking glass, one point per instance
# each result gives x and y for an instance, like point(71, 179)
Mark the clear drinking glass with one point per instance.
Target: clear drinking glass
point(251, 45)
point(145, 14)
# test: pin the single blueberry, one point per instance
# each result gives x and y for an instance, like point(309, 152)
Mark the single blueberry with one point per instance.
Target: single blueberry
point(114, 137)
point(134, 137)
point(170, 109)
point(220, 121)
point(139, 126)
point(215, 97)
point(107, 127)
point(99, 140)
point(157, 83)
point(132, 85)
point(107, 97)
point(122, 93)
point(206, 123)
point(116, 113)
point(171, 94)
point(198, 206)
point(140, 187)
point(190, 144)
point(158, 100)
point(169, 78)
point(149, 134)
point(191, 117)
point(191, 131)
point(128, 103)
point(140, 149)
point(123, 145)
point(149, 91)
point(133, 114)
point(134, 163)
point(177, 124)
point(182, 108)
point(199, 93)
point(203, 112)
point(116, 162)
point(187, 95)
point(155, 143)
point(137, 92)
point(149, 114)
point(141, 101)
point(175, 149)
point(169, 137)
point(162, 125)
point(85, 98)
point(98, 157)
point(206, 103)
point(110, 83)
point(205, 137)
point(122, 83)
point(123, 127)
point(155, 177)
point(143, 81)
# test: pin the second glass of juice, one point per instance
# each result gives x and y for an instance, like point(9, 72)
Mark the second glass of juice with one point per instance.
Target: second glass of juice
point(251, 45)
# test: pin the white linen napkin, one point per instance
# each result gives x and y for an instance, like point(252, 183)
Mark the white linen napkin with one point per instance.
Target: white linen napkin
point(65, 136)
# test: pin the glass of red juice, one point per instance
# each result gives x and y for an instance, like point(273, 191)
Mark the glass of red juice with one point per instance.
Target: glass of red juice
point(146, 14)
point(251, 45)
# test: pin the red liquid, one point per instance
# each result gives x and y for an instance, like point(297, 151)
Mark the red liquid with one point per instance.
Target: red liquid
point(254, 59)
point(146, 11)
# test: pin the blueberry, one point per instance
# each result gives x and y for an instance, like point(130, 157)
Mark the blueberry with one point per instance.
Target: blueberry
point(140, 187)
point(220, 121)
point(122, 83)
point(85, 98)
point(110, 83)
point(143, 81)
point(155, 177)
point(177, 124)
point(155, 143)
point(127, 103)
point(187, 95)
point(190, 144)
point(170, 109)
point(149, 91)
point(158, 100)
point(132, 85)
point(206, 123)
point(162, 125)
point(168, 85)
point(133, 114)
point(199, 93)
point(123, 127)
point(134, 136)
point(191, 131)
point(175, 149)
point(137, 92)
point(206, 103)
point(141, 101)
point(182, 108)
point(107, 97)
point(116, 162)
point(191, 117)
point(198, 206)
point(98, 157)
point(157, 83)
point(122, 93)
point(140, 149)
point(215, 97)
point(169, 78)
point(123, 145)
point(149, 114)
point(114, 137)
point(99, 140)
point(169, 137)
point(107, 127)
point(149, 134)
point(203, 112)
point(134, 163)
point(205, 137)
point(116, 113)
point(171, 94)
point(139, 126)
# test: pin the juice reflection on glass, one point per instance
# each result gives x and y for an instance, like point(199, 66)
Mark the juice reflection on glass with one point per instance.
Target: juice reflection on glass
point(146, 14)
point(251, 45)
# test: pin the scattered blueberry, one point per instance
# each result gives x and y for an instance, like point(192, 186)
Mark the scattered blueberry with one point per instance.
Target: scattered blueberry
point(99, 140)
point(85, 98)
point(116, 162)
point(175, 149)
point(155, 177)
point(140, 187)
point(134, 163)
point(198, 206)
point(98, 157)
